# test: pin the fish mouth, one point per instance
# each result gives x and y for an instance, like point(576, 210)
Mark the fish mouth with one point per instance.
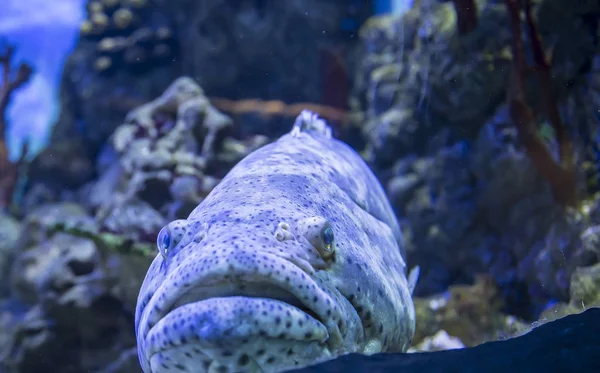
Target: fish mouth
point(231, 300)
point(247, 287)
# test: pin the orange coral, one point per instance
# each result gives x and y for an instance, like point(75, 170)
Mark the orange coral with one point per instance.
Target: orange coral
point(560, 174)
point(271, 108)
point(9, 171)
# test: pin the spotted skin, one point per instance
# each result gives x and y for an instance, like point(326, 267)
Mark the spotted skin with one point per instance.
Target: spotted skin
point(294, 258)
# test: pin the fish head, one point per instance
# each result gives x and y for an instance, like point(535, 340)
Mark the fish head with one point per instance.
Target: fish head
point(268, 293)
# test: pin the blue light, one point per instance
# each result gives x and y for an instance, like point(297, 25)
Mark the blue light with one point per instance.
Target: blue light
point(391, 6)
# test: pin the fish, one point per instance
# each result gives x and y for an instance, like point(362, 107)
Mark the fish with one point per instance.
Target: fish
point(294, 258)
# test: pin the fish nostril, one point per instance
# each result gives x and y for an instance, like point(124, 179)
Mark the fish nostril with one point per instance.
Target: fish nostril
point(282, 232)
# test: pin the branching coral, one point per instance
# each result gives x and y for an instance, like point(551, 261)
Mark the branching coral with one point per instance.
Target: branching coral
point(270, 108)
point(559, 173)
point(11, 81)
point(466, 15)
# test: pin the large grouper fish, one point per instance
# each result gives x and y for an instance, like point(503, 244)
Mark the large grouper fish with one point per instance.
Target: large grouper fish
point(294, 258)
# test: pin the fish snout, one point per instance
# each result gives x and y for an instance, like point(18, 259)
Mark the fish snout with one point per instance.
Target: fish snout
point(242, 299)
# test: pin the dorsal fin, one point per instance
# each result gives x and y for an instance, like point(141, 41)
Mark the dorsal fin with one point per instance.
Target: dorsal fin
point(307, 121)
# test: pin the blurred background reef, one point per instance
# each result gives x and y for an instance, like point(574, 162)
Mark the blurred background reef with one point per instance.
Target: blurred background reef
point(480, 117)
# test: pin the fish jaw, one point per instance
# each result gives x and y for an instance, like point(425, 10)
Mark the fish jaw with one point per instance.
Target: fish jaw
point(212, 305)
point(238, 333)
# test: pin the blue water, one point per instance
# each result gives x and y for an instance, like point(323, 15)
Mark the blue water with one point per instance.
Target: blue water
point(44, 33)
point(391, 6)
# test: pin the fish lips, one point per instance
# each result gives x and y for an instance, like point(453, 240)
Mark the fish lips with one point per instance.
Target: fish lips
point(209, 307)
point(229, 321)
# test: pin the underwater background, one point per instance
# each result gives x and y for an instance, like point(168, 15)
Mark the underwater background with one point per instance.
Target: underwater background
point(479, 117)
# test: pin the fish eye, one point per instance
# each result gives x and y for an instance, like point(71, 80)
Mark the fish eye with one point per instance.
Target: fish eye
point(163, 241)
point(319, 232)
point(327, 237)
point(170, 236)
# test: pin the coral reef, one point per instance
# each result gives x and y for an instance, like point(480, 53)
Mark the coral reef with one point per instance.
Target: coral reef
point(70, 296)
point(469, 314)
point(417, 72)
point(478, 189)
point(10, 229)
point(170, 152)
point(584, 293)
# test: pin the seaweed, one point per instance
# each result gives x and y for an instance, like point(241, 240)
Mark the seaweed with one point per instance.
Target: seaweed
point(560, 173)
point(11, 80)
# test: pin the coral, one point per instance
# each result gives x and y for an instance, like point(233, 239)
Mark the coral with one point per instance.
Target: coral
point(585, 286)
point(433, 196)
point(481, 206)
point(79, 263)
point(560, 174)
point(163, 161)
point(416, 73)
point(131, 218)
point(165, 145)
point(272, 118)
point(73, 292)
point(471, 313)
point(11, 81)
point(123, 39)
point(431, 104)
point(62, 271)
point(269, 108)
point(438, 342)
point(26, 341)
point(10, 230)
point(584, 293)
point(590, 239)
